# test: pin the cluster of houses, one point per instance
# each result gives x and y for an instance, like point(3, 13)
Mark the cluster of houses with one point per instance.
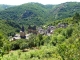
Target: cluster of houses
point(47, 31)
point(32, 29)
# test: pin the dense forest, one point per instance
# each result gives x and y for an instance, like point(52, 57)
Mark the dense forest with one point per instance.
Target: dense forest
point(63, 44)
point(38, 14)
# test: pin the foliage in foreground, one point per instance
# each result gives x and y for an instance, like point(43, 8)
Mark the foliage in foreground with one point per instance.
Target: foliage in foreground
point(43, 53)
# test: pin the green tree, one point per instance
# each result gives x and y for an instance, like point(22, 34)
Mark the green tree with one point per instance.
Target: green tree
point(1, 40)
point(60, 38)
point(76, 17)
point(53, 40)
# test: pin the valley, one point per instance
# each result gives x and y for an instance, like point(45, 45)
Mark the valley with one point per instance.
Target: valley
point(40, 32)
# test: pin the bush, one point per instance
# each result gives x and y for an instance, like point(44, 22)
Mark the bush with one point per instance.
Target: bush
point(19, 44)
point(53, 40)
point(15, 45)
point(60, 38)
point(23, 45)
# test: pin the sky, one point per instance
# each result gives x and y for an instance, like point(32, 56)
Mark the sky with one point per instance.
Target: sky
point(19, 2)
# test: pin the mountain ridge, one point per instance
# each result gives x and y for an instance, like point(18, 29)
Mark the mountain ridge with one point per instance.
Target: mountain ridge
point(38, 14)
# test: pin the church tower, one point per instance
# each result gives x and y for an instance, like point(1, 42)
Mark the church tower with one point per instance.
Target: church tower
point(22, 32)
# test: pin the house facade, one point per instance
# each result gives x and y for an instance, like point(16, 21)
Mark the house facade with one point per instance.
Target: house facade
point(32, 29)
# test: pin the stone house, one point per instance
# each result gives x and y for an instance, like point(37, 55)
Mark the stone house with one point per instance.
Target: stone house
point(47, 31)
point(32, 29)
point(62, 25)
point(50, 29)
point(40, 30)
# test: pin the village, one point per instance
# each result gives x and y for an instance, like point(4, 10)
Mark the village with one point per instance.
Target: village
point(33, 30)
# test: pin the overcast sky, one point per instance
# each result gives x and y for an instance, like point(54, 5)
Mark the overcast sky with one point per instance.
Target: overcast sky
point(18, 2)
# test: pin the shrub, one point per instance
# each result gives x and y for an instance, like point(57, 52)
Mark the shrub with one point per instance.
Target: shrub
point(53, 40)
point(60, 38)
point(23, 45)
point(15, 45)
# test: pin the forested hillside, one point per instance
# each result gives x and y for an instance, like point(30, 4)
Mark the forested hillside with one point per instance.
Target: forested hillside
point(38, 14)
point(9, 28)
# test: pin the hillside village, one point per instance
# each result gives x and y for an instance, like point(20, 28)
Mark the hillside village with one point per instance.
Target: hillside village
point(32, 29)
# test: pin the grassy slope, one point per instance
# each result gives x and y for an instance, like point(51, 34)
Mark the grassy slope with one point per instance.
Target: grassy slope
point(33, 54)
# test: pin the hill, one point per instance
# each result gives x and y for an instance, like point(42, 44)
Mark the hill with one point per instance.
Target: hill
point(65, 10)
point(3, 6)
point(8, 28)
point(38, 14)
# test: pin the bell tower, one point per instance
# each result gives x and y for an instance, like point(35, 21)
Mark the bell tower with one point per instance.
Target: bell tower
point(22, 32)
point(22, 29)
